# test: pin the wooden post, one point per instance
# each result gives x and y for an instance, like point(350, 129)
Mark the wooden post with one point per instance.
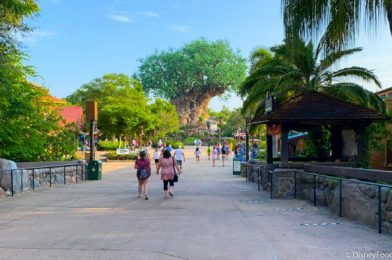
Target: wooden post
point(284, 144)
point(269, 147)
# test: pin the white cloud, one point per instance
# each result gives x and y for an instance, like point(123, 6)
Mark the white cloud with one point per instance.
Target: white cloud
point(149, 14)
point(121, 18)
point(179, 28)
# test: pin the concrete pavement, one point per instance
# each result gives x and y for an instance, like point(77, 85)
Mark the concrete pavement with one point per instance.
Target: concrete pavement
point(214, 215)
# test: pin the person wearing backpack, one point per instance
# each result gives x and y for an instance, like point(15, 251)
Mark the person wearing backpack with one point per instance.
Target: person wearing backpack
point(143, 172)
point(223, 155)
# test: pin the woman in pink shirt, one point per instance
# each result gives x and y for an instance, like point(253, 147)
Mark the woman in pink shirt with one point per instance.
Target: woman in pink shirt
point(167, 164)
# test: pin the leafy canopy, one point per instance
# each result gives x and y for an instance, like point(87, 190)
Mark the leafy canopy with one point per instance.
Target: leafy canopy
point(122, 106)
point(198, 67)
point(295, 67)
point(165, 118)
point(340, 20)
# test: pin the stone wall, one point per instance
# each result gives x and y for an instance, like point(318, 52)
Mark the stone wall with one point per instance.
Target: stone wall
point(359, 201)
point(23, 179)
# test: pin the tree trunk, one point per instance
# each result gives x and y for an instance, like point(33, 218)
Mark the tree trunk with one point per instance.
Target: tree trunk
point(388, 7)
point(191, 106)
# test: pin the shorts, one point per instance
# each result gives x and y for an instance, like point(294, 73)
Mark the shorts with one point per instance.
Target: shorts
point(156, 160)
point(179, 162)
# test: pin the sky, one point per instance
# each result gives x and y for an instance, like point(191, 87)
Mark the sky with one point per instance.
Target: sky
point(76, 41)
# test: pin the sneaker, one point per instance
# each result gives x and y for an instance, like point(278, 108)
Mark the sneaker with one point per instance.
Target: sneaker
point(171, 194)
point(146, 198)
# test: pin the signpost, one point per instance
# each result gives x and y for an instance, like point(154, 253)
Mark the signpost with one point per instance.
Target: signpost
point(122, 151)
point(236, 166)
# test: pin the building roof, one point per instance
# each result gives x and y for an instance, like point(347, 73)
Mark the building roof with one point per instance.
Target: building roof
point(72, 114)
point(384, 91)
point(317, 108)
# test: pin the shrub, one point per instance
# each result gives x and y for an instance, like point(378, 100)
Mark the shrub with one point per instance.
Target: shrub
point(177, 144)
point(115, 156)
point(107, 145)
point(189, 140)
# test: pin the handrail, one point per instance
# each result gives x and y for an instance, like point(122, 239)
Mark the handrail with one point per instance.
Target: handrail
point(341, 180)
point(33, 173)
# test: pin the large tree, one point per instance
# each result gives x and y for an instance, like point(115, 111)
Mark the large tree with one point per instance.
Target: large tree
point(29, 128)
point(122, 105)
point(165, 118)
point(341, 20)
point(295, 67)
point(190, 76)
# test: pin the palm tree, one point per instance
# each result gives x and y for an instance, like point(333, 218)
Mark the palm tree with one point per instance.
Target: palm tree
point(295, 67)
point(342, 19)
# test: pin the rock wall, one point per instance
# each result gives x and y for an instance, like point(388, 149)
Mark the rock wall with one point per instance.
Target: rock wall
point(359, 201)
point(24, 180)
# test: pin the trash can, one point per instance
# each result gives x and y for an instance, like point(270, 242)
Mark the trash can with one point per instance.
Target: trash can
point(94, 170)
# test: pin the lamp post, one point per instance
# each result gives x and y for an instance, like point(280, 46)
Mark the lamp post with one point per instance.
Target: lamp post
point(247, 125)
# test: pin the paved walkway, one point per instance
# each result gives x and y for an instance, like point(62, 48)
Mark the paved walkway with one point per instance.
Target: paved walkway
point(214, 215)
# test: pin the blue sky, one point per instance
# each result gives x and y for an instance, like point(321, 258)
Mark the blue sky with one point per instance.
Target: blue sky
point(75, 41)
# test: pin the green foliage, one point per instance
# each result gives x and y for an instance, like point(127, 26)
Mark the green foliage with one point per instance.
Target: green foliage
point(379, 133)
point(30, 130)
point(317, 143)
point(108, 145)
point(13, 12)
point(296, 67)
point(121, 157)
point(122, 105)
point(234, 122)
point(164, 118)
point(176, 144)
point(262, 155)
point(339, 21)
point(189, 140)
point(198, 67)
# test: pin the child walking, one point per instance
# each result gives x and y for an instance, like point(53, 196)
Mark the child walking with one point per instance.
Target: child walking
point(214, 155)
point(197, 154)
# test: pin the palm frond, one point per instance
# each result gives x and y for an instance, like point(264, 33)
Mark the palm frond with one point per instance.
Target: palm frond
point(357, 72)
point(333, 57)
point(354, 93)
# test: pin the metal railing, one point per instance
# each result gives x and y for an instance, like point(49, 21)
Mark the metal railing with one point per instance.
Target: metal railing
point(341, 181)
point(79, 171)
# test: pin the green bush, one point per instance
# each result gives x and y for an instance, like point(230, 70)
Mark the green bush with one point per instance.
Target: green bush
point(177, 144)
point(115, 156)
point(107, 145)
point(262, 155)
point(189, 140)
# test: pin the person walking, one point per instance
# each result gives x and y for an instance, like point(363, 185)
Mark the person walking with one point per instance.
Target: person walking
point(209, 152)
point(214, 155)
point(143, 172)
point(156, 156)
point(179, 155)
point(167, 165)
point(225, 152)
point(223, 155)
point(197, 154)
point(218, 151)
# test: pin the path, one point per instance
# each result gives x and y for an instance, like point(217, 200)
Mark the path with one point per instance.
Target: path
point(214, 215)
